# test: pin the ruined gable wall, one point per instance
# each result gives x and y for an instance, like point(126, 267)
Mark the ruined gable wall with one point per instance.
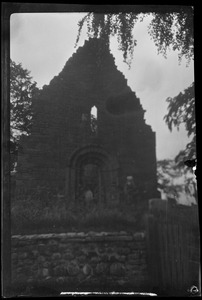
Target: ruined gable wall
point(89, 78)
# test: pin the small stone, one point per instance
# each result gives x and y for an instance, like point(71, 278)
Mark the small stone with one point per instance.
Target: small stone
point(104, 257)
point(41, 248)
point(34, 267)
point(133, 256)
point(113, 257)
point(62, 246)
point(41, 258)
point(139, 235)
point(23, 255)
point(87, 270)
point(35, 253)
point(121, 282)
point(109, 250)
point(52, 242)
point(68, 256)
point(82, 258)
point(101, 268)
point(92, 253)
point(56, 256)
point(121, 258)
point(59, 271)
point(60, 279)
point(53, 247)
point(72, 269)
point(45, 272)
point(95, 259)
point(129, 266)
point(48, 278)
point(46, 264)
point(117, 269)
point(123, 251)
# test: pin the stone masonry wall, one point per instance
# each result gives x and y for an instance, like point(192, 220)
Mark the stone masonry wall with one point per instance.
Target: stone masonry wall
point(61, 126)
point(101, 260)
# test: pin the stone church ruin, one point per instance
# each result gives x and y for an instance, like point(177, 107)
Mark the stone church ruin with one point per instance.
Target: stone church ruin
point(89, 140)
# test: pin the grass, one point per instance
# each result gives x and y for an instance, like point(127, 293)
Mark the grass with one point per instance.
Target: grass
point(33, 216)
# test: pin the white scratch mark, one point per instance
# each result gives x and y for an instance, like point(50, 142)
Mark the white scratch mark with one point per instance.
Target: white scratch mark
point(108, 293)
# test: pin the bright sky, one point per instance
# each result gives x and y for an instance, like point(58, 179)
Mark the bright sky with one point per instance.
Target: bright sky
point(43, 42)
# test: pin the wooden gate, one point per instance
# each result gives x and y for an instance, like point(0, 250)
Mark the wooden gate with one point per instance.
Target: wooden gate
point(173, 250)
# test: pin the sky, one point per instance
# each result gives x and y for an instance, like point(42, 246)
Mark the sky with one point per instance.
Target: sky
point(43, 42)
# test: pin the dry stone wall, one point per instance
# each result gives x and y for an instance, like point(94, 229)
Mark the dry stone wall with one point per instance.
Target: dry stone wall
point(101, 260)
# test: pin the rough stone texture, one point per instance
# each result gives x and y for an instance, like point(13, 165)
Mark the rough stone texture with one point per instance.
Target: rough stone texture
point(118, 261)
point(62, 141)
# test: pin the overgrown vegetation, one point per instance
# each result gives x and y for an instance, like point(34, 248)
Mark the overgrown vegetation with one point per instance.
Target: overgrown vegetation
point(181, 110)
point(176, 179)
point(43, 212)
point(171, 27)
point(22, 92)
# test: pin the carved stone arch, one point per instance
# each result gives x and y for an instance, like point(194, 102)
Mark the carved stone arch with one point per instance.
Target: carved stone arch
point(105, 171)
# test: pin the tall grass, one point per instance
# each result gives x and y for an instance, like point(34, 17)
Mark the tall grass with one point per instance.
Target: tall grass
point(45, 213)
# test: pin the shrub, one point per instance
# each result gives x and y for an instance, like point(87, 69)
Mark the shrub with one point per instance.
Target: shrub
point(40, 212)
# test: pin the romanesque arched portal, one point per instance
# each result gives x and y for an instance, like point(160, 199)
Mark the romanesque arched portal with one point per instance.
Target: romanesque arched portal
point(92, 168)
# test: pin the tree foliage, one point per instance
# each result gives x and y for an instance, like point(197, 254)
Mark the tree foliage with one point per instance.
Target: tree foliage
point(169, 30)
point(175, 179)
point(106, 25)
point(173, 31)
point(181, 110)
point(22, 92)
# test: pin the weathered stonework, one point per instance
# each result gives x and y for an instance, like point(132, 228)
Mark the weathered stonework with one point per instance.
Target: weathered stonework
point(65, 143)
point(100, 260)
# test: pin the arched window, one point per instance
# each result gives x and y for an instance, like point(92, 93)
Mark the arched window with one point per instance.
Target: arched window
point(93, 119)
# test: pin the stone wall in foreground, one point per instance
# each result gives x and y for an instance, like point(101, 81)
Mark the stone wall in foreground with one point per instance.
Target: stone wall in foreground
point(102, 259)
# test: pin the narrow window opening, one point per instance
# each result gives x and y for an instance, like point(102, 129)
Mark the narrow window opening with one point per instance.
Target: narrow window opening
point(93, 119)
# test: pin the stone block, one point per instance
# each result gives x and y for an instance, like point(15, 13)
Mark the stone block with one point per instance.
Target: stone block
point(56, 256)
point(102, 268)
point(35, 253)
point(46, 264)
point(121, 258)
point(134, 256)
point(41, 259)
point(59, 271)
point(87, 270)
point(23, 255)
point(123, 251)
point(42, 248)
point(95, 259)
point(68, 256)
point(117, 269)
point(72, 269)
point(81, 258)
point(45, 272)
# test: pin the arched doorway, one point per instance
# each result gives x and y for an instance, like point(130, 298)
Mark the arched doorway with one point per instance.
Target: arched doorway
point(91, 168)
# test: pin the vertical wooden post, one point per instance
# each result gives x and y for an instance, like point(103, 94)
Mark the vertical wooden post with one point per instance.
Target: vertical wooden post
point(152, 251)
